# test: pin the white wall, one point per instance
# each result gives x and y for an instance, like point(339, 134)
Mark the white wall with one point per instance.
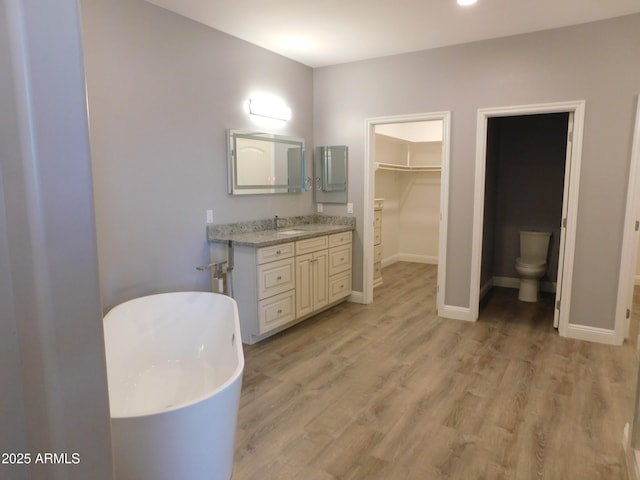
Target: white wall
point(162, 92)
point(419, 216)
point(410, 215)
point(595, 62)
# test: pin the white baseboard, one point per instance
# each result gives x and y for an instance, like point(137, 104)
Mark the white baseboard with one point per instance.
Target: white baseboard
point(592, 334)
point(409, 257)
point(486, 288)
point(456, 313)
point(514, 282)
point(356, 297)
point(390, 260)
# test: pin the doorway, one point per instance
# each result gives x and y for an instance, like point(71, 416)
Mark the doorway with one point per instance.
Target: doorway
point(408, 163)
point(443, 120)
point(524, 187)
point(567, 226)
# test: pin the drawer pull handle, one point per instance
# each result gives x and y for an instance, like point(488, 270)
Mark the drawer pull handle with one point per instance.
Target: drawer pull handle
point(342, 259)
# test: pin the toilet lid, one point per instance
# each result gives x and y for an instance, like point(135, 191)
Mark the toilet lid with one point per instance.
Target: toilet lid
point(530, 262)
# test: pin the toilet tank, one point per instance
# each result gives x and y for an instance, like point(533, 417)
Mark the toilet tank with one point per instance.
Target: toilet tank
point(534, 245)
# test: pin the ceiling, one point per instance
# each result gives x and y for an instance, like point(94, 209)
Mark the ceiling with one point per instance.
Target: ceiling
point(326, 32)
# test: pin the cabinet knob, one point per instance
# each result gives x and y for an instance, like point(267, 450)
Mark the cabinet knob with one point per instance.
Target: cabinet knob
point(279, 277)
point(278, 252)
point(279, 311)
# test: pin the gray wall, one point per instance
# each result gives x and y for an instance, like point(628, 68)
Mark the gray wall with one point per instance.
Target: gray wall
point(596, 62)
point(13, 437)
point(53, 374)
point(527, 165)
point(162, 91)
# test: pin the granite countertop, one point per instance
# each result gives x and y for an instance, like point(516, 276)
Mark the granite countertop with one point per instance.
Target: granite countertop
point(261, 234)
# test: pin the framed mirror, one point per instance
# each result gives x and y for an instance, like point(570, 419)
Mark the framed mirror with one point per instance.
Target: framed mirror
point(331, 165)
point(263, 163)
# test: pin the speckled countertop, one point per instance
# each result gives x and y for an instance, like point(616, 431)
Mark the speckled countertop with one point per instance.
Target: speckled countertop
point(260, 233)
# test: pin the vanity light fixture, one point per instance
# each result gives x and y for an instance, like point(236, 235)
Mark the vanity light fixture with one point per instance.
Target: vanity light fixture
point(270, 107)
point(466, 3)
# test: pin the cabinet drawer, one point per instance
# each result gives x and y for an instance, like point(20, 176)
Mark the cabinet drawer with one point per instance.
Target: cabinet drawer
point(377, 218)
point(311, 245)
point(276, 311)
point(339, 286)
point(275, 252)
point(377, 253)
point(377, 236)
point(276, 277)
point(339, 259)
point(336, 239)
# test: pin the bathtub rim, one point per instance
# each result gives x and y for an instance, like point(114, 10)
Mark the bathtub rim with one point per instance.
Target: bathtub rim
point(237, 373)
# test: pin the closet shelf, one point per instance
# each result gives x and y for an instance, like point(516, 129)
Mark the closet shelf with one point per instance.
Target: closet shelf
point(406, 168)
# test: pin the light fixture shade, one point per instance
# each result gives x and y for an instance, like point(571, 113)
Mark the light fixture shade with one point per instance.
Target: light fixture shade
point(270, 108)
point(466, 3)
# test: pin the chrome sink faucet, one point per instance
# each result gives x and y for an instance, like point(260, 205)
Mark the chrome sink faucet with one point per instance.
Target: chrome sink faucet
point(276, 223)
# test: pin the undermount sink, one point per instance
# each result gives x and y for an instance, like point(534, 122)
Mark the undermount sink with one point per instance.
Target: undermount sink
point(291, 232)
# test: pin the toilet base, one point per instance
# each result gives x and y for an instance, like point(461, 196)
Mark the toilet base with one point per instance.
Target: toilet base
point(528, 290)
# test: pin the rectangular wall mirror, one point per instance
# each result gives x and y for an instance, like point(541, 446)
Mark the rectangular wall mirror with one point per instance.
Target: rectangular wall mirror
point(261, 163)
point(330, 171)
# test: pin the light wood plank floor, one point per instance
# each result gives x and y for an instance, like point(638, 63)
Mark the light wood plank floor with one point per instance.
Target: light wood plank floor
point(391, 391)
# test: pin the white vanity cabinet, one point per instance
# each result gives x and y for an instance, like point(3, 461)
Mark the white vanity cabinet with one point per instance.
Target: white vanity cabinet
point(323, 272)
point(279, 285)
point(264, 288)
point(276, 286)
point(312, 275)
point(340, 261)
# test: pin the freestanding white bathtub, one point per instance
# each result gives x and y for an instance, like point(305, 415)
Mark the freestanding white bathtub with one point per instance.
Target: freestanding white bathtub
point(174, 369)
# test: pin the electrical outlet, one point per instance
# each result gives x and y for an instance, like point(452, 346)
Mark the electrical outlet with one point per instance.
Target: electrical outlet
point(349, 207)
point(320, 208)
point(209, 216)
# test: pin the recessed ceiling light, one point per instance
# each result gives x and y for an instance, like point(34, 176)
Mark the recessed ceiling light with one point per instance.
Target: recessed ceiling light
point(466, 3)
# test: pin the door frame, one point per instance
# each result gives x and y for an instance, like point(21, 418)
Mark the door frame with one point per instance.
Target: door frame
point(629, 253)
point(571, 200)
point(369, 193)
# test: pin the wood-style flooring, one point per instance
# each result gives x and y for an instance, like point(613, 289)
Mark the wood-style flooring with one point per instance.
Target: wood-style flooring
point(391, 391)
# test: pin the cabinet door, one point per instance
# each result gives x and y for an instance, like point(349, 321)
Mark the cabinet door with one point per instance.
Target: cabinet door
point(304, 282)
point(312, 282)
point(320, 279)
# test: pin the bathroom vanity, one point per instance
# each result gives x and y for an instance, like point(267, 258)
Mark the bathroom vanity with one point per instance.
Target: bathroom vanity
point(286, 275)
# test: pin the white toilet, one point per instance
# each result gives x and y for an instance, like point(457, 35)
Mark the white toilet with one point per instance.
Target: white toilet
point(532, 263)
